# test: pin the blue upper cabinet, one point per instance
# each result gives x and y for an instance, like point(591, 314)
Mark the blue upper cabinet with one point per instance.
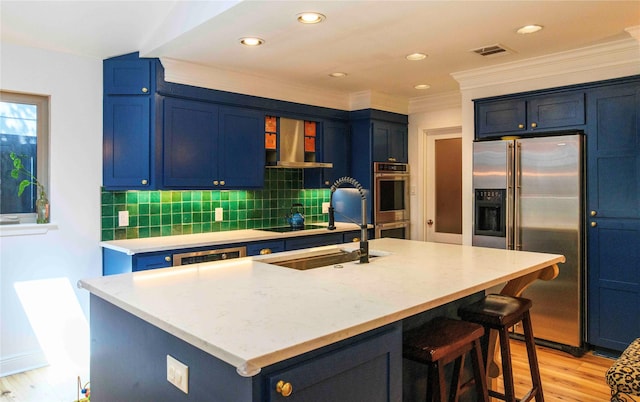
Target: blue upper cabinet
point(529, 115)
point(124, 76)
point(390, 142)
point(334, 147)
point(190, 144)
point(241, 156)
point(211, 147)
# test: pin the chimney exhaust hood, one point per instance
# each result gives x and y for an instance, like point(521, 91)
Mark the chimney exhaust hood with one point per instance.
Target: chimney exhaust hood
point(291, 147)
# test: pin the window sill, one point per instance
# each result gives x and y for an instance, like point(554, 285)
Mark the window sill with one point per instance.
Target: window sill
point(26, 229)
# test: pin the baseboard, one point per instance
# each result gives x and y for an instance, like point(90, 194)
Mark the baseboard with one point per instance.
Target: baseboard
point(22, 362)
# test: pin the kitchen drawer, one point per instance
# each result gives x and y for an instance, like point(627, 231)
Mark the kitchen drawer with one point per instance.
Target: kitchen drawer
point(274, 246)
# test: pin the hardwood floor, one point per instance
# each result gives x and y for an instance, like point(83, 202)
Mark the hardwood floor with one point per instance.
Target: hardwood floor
point(564, 378)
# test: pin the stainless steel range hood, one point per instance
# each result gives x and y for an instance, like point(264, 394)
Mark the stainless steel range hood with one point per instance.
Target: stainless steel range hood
point(291, 147)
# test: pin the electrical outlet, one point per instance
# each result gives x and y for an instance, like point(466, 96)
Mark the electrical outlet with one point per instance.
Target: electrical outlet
point(123, 218)
point(178, 374)
point(325, 207)
point(218, 214)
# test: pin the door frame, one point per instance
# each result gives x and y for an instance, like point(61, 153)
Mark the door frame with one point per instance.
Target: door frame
point(428, 187)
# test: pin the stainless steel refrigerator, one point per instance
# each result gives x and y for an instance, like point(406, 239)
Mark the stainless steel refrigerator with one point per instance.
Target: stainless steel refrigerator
point(528, 195)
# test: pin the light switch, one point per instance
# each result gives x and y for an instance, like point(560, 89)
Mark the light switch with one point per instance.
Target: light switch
point(178, 374)
point(123, 218)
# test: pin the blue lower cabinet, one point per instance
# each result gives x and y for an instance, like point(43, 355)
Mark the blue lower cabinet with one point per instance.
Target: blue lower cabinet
point(116, 262)
point(297, 243)
point(265, 247)
point(366, 370)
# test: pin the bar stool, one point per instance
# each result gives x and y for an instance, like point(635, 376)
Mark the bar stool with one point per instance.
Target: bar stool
point(501, 312)
point(441, 341)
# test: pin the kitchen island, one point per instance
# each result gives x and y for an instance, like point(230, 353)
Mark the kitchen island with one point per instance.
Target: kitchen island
point(241, 324)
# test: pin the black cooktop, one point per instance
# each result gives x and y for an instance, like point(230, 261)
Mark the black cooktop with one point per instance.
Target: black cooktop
point(283, 229)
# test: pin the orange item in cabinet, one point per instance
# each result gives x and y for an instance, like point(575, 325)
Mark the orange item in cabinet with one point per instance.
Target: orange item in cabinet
point(310, 128)
point(309, 144)
point(270, 124)
point(269, 141)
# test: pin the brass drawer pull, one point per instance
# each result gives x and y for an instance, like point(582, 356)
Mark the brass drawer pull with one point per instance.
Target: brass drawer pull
point(284, 388)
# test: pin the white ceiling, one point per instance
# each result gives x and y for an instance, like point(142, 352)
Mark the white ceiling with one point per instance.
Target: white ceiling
point(365, 39)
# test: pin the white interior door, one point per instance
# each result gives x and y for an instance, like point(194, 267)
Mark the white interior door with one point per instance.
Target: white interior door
point(443, 223)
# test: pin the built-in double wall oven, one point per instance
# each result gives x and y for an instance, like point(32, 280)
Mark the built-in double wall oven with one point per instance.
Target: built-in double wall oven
point(391, 199)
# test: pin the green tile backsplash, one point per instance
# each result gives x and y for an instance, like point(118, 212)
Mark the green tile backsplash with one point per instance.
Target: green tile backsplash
point(166, 213)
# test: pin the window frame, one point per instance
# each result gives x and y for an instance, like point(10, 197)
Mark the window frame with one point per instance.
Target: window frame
point(42, 140)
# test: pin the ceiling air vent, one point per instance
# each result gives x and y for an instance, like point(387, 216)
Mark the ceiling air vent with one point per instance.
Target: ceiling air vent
point(492, 50)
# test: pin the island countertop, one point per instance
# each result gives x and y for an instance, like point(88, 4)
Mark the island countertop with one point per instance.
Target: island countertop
point(251, 314)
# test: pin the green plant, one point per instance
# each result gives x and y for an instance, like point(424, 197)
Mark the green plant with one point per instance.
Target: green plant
point(19, 169)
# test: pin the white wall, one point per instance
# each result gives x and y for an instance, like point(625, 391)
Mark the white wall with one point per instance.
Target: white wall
point(74, 85)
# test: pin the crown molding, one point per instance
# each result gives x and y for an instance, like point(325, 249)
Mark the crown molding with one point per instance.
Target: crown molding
point(614, 59)
point(181, 72)
point(430, 103)
point(634, 32)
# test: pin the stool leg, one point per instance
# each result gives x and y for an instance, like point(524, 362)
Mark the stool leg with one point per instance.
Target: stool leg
point(478, 372)
point(442, 388)
point(436, 389)
point(507, 370)
point(454, 390)
point(533, 358)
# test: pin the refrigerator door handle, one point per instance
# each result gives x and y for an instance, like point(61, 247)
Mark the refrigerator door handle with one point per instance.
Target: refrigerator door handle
point(509, 204)
point(516, 199)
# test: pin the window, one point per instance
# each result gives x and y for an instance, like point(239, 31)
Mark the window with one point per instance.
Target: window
point(24, 130)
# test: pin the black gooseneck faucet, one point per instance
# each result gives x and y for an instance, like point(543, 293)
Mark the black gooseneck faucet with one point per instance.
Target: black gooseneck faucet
point(364, 244)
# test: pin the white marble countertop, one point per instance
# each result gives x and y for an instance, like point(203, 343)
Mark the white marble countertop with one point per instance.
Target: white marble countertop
point(251, 314)
point(151, 244)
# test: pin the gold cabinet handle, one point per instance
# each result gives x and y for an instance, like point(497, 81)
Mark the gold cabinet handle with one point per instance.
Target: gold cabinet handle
point(391, 159)
point(284, 388)
point(327, 183)
point(355, 239)
point(215, 182)
point(144, 182)
point(145, 90)
point(265, 251)
point(594, 224)
point(222, 182)
point(593, 213)
point(167, 259)
point(534, 125)
point(520, 125)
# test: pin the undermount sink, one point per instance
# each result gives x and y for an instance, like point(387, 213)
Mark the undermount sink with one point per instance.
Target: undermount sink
point(317, 259)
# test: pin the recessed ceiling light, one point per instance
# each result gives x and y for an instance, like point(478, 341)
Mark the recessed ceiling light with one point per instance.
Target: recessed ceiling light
point(528, 29)
point(310, 17)
point(422, 86)
point(338, 75)
point(416, 56)
point(251, 41)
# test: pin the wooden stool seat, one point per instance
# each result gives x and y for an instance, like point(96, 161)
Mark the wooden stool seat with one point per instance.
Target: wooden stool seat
point(499, 312)
point(440, 342)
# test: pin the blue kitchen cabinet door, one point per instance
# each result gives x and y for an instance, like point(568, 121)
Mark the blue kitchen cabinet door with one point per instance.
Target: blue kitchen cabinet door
point(241, 156)
point(335, 148)
point(500, 117)
point(556, 111)
point(265, 247)
point(390, 142)
point(128, 77)
point(127, 142)
point(369, 370)
point(190, 144)
point(613, 209)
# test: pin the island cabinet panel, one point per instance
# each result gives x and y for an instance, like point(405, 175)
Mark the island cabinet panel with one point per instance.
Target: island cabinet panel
point(368, 370)
point(613, 215)
point(127, 142)
point(129, 363)
point(530, 116)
